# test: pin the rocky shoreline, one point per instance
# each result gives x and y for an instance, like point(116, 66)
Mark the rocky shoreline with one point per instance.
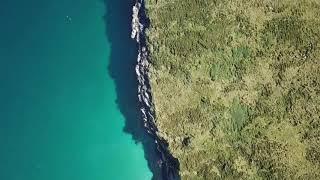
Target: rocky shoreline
point(167, 163)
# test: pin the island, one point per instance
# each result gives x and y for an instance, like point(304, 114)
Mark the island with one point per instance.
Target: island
point(235, 86)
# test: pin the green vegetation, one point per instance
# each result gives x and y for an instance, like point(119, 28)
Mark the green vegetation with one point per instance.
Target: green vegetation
point(236, 86)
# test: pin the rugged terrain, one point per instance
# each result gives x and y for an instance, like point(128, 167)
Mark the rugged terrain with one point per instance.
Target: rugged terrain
point(236, 86)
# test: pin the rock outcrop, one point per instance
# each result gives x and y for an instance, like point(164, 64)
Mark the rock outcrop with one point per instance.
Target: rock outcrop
point(168, 164)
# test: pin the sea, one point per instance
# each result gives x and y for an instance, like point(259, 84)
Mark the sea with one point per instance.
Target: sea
point(68, 109)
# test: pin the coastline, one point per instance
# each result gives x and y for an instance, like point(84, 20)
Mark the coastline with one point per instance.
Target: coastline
point(168, 164)
point(229, 89)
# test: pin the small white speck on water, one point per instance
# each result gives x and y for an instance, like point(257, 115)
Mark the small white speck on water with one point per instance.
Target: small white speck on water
point(69, 19)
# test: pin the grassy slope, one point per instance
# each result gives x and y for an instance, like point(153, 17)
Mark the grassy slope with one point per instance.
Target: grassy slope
point(236, 86)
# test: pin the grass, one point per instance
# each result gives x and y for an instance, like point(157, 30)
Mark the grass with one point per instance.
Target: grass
point(236, 86)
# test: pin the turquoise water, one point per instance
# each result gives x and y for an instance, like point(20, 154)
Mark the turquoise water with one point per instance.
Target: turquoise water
point(59, 119)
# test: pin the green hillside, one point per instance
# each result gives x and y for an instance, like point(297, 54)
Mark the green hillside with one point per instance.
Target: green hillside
point(236, 86)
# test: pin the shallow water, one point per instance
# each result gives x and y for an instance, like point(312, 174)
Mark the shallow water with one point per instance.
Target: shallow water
point(59, 119)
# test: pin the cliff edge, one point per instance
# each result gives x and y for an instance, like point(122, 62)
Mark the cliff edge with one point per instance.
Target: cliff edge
point(167, 163)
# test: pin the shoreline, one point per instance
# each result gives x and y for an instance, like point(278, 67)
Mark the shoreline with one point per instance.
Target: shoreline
point(167, 163)
point(232, 81)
